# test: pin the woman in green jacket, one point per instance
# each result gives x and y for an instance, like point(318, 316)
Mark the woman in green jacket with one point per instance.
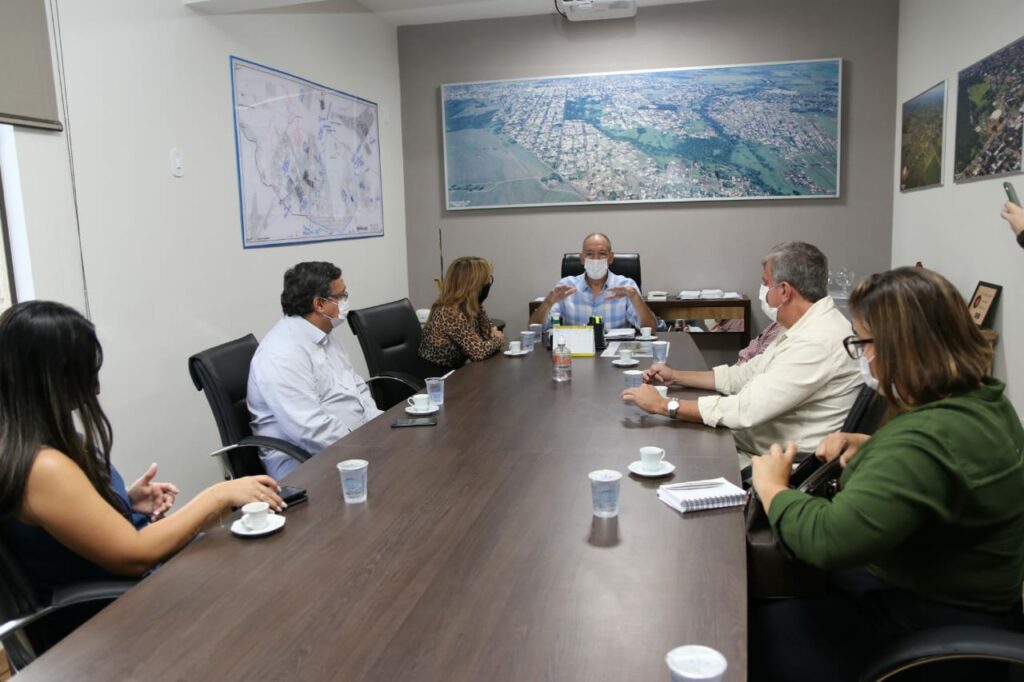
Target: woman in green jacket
point(928, 528)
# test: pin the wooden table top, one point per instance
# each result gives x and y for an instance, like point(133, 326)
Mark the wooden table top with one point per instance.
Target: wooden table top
point(476, 556)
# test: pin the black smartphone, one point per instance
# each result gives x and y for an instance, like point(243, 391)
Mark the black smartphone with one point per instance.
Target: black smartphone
point(1011, 193)
point(292, 495)
point(414, 421)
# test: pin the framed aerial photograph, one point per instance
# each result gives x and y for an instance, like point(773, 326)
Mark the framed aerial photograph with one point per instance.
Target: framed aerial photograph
point(922, 134)
point(990, 115)
point(755, 131)
point(982, 305)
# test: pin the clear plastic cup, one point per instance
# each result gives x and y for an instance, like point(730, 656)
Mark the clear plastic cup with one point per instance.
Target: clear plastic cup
point(659, 350)
point(604, 488)
point(527, 338)
point(353, 479)
point(696, 663)
point(435, 389)
point(632, 378)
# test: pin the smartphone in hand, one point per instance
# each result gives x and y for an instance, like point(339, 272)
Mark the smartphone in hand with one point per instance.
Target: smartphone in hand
point(1011, 193)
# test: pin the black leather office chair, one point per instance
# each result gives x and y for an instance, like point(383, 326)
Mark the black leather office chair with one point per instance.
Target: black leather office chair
point(951, 653)
point(28, 626)
point(390, 336)
point(222, 373)
point(624, 264)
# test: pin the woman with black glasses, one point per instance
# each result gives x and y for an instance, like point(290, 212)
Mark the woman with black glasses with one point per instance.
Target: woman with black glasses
point(928, 528)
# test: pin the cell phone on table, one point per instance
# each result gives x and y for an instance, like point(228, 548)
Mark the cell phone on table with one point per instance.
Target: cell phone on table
point(292, 495)
point(1011, 193)
point(414, 421)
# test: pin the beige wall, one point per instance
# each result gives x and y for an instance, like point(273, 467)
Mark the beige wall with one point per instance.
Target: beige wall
point(956, 229)
point(682, 245)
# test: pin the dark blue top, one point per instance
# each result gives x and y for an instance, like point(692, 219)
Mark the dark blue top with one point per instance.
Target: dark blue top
point(50, 564)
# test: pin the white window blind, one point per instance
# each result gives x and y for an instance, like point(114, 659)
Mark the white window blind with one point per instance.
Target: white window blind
point(27, 94)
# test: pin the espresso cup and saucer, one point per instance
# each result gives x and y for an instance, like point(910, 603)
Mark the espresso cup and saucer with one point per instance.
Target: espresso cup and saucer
point(625, 358)
point(646, 334)
point(420, 404)
point(652, 463)
point(257, 520)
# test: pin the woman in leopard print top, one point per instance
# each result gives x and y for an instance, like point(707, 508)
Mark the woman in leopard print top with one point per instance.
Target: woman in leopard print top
point(458, 327)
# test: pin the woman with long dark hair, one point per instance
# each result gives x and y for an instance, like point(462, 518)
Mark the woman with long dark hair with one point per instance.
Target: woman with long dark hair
point(64, 509)
point(928, 527)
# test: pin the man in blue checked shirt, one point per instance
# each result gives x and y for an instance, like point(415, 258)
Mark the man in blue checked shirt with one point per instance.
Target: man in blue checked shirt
point(616, 299)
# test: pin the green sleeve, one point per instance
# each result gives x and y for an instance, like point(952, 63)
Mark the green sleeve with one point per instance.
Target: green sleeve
point(893, 492)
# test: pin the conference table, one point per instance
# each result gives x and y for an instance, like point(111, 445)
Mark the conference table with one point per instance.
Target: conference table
point(475, 557)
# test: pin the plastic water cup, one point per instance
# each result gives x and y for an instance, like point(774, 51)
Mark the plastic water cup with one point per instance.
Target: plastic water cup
point(660, 350)
point(633, 378)
point(353, 479)
point(604, 488)
point(695, 663)
point(527, 338)
point(538, 330)
point(662, 391)
point(435, 389)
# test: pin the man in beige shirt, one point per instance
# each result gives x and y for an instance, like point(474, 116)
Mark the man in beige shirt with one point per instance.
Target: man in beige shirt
point(799, 389)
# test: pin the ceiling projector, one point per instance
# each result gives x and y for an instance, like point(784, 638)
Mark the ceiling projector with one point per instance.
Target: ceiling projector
point(590, 10)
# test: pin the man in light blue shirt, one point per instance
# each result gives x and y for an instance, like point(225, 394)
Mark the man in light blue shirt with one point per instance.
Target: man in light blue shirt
point(302, 386)
point(616, 299)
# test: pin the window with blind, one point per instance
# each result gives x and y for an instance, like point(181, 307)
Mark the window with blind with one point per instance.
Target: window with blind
point(27, 94)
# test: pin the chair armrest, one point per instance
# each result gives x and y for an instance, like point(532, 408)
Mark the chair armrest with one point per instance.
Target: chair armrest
point(70, 595)
point(944, 644)
point(284, 446)
point(401, 377)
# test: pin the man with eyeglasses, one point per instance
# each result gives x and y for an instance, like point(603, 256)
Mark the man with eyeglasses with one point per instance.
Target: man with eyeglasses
point(302, 386)
point(799, 389)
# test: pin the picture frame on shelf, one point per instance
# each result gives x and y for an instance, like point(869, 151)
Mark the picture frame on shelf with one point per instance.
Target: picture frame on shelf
point(982, 304)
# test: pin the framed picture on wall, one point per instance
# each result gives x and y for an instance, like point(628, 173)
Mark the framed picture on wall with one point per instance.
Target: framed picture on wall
point(921, 139)
point(990, 115)
point(982, 305)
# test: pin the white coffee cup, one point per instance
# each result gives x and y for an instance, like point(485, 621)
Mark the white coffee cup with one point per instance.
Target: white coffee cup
point(515, 346)
point(651, 457)
point(420, 401)
point(625, 354)
point(254, 515)
point(695, 663)
point(645, 332)
point(662, 391)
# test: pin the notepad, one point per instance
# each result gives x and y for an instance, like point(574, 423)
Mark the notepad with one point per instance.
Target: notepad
point(721, 494)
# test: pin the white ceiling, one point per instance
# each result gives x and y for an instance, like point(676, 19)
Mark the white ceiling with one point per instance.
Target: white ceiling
point(402, 12)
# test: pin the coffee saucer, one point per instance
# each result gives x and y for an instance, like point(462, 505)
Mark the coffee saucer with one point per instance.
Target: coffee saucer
point(513, 354)
point(628, 363)
point(275, 522)
point(415, 410)
point(647, 338)
point(664, 469)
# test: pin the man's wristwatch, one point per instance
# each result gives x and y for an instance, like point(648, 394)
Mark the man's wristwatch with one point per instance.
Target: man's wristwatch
point(673, 407)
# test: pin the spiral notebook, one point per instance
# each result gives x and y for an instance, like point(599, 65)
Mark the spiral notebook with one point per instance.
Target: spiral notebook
point(710, 494)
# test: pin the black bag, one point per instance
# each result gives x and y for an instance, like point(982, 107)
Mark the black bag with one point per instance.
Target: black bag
point(771, 570)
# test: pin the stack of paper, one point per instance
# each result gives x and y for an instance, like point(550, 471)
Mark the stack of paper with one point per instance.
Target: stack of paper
point(711, 293)
point(698, 495)
point(686, 294)
point(623, 333)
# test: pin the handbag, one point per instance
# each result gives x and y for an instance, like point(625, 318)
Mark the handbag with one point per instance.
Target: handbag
point(772, 570)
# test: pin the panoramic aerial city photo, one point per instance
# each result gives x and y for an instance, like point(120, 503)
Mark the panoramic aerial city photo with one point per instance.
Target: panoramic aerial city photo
point(734, 132)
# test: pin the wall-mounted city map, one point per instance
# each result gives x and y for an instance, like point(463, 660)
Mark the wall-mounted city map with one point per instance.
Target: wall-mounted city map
point(990, 115)
point(762, 131)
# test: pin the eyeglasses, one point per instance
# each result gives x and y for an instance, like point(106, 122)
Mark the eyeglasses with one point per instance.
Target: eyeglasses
point(339, 299)
point(855, 346)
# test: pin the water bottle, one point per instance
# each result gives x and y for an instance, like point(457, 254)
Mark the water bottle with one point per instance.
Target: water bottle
point(561, 361)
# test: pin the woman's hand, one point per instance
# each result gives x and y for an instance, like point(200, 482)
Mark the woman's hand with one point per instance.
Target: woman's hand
point(242, 491)
point(772, 471)
point(147, 496)
point(659, 374)
point(841, 445)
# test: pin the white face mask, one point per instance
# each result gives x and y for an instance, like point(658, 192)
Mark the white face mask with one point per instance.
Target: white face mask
point(343, 309)
point(762, 294)
point(865, 373)
point(596, 268)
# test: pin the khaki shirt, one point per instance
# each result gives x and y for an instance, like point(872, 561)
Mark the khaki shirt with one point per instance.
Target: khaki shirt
point(800, 389)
